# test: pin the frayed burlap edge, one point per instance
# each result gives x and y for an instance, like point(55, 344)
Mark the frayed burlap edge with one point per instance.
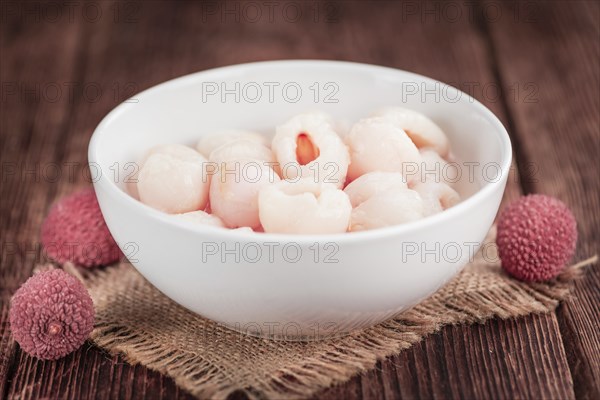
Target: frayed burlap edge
point(277, 369)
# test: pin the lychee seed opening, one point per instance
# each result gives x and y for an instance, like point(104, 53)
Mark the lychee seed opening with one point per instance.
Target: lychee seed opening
point(306, 150)
point(416, 139)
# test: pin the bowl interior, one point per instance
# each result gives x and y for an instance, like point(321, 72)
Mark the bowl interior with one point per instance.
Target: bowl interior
point(260, 96)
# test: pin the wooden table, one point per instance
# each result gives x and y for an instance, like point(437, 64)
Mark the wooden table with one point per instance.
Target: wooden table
point(65, 65)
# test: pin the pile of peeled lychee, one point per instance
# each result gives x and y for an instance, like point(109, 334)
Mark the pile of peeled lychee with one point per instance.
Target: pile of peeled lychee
point(52, 314)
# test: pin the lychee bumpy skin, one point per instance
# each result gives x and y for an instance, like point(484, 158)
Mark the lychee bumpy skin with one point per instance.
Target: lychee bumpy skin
point(75, 231)
point(537, 235)
point(51, 315)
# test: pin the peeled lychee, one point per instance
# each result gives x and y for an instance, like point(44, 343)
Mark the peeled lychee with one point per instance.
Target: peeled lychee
point(75, 231)
point(536, 237)
point(51, 315)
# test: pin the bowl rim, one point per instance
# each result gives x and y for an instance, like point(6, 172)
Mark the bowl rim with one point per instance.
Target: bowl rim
point(347, 237)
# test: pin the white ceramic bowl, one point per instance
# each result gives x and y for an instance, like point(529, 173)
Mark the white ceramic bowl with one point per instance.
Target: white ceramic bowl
point(302, 286)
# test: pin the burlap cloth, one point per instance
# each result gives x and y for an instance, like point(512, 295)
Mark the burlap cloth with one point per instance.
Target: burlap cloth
point(137, 321)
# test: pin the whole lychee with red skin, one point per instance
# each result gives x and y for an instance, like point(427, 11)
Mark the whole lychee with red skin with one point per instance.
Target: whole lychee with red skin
point(75, 231)
point(51, 315)
point(537, 235)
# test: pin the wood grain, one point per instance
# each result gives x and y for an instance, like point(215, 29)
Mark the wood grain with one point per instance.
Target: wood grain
point(122, 53)
point(471, 362)
point(564, 67)
point(30, 127)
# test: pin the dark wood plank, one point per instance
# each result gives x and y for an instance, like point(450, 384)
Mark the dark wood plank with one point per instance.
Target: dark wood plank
point(473, 362)
point(37, 56)
point(560, 133)
point(30, 126)
point(7, 346)
point(89, 373)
